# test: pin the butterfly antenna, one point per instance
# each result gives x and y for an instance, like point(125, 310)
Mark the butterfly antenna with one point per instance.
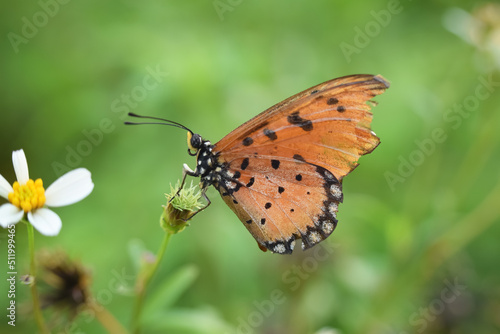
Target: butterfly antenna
point(165, 122)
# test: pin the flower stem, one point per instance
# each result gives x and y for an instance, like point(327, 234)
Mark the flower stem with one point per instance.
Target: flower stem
point(37, 312)
point(141, 290)
point(106, 319)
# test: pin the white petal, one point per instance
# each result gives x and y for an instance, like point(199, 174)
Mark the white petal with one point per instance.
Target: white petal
point(69, 188)
point(20, 166)
point(5, 187)
point(10, 214)
point(46, 221)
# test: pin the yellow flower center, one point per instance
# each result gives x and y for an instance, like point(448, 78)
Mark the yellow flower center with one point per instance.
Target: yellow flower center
point(28, 197)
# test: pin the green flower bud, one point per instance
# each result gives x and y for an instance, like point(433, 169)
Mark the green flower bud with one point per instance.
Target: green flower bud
point(180, 208)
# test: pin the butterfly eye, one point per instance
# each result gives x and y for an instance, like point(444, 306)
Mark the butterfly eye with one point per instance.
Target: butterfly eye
point(194, 141)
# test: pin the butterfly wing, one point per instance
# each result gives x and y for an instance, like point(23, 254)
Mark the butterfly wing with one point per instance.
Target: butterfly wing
point(286, 165)
point(281, 202)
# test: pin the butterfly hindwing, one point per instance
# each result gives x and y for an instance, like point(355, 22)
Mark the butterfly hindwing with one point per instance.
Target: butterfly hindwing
point(280, 201)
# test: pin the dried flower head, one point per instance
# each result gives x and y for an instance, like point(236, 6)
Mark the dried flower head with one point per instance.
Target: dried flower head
point(67, 283)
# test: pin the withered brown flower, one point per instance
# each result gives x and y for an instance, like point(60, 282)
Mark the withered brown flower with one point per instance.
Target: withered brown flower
point(66, 283)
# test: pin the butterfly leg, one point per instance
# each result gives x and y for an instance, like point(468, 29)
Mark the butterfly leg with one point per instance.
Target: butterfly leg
point(203, 193)
point(185, 172)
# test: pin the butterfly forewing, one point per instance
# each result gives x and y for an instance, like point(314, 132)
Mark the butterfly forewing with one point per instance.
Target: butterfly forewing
point(328, 123)
point(288, 162)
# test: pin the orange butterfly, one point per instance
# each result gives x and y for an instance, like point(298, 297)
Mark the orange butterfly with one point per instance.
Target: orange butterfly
point(281, 172)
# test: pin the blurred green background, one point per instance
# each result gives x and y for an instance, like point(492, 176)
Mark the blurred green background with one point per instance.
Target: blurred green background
point(416, 249)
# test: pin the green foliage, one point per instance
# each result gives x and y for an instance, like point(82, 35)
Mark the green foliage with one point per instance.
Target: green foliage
point(180, 321)
point(160, 314)
point(171, 289)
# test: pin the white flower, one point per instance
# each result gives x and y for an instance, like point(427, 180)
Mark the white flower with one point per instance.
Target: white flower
point(29, 197)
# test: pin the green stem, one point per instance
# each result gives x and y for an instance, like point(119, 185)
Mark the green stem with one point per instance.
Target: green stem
point(34, 293)
point(141, 290)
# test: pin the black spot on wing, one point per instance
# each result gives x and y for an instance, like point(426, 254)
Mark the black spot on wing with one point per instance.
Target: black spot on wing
point(275, 164)
point(298, 177)
point(253, 130)
point(295, 119)
point(298, 157)
point(332, 101)
point(247, 141)
point(263, 221)
point(270, 134)
point(340, 108)
point(250, 183)
point(307, 125)
point(281, 190)
point(268, 205)
point(244, 164)
point(237, 175)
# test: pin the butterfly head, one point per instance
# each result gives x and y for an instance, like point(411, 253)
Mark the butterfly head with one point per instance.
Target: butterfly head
point(194, 142)
point(202, 149)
